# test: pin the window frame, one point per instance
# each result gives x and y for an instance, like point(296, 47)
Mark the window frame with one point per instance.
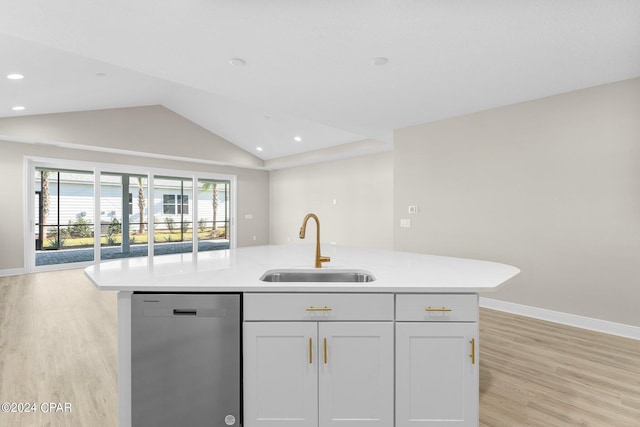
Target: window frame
point(171, 204)
point(32, 163)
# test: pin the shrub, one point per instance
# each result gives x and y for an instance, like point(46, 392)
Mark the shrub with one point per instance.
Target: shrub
point(53, 239)
point(80, 228)
point(112, 229)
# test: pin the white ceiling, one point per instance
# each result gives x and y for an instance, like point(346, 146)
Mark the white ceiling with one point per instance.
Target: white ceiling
point(309, 68)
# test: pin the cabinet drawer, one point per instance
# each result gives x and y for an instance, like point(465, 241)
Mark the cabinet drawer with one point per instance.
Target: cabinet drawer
point(318, 307)
point(437, 308)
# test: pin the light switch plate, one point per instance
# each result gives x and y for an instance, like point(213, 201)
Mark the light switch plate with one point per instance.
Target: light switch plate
point(405, 223)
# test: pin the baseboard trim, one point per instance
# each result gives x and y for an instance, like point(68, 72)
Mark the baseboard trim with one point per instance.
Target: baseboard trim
point(605, 326)
point(12, 272)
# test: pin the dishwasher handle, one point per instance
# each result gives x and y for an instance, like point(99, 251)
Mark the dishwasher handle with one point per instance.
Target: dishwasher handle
point(185, 312)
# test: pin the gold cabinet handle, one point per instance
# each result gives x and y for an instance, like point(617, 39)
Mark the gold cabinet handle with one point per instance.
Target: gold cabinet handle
point(325, 351)
point(437, 309)
point(325, 308)
point(310, 351)
point(473, 351)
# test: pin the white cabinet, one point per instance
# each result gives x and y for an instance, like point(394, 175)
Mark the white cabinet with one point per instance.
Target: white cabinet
point(331, 360)
point(356, 376)
point(321, 371)
point(436, 380)
point(280, 374)
point(437, 369)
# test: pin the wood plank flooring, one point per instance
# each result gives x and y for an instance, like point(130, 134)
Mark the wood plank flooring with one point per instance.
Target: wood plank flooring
point(58, 344)
point(536, 373)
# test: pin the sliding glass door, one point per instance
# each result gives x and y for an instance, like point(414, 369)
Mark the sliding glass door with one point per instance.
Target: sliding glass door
point(172, 213)
point(123, 215)
point(85, 212)
point(64, 216)
point(214, 225)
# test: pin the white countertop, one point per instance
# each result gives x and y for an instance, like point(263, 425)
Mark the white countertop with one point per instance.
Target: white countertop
point(239, 270)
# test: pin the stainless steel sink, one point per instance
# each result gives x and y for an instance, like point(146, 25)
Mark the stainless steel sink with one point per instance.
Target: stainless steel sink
point(317, 275)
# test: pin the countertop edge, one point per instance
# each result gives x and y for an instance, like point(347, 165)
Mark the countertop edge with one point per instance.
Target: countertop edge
point(301, 289)
point(238, 271)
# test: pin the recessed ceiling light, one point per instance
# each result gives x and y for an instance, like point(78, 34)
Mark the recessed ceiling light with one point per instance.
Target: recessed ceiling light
point(18, 108)
point(297, 139)
point(259, 148)
point(380, 60)
point(238, 62)
point(15, 76)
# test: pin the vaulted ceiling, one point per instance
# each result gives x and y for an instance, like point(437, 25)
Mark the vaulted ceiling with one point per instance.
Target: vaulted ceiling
point(309, 69)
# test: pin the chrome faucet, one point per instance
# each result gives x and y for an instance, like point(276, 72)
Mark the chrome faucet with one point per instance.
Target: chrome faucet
point(319, 258)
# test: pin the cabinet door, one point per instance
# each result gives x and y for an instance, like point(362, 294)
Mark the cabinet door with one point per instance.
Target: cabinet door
point(436, 379)
point(280, 374)
point(356, 375)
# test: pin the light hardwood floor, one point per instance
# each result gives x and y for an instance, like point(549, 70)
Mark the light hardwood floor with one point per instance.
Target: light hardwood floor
point(58, 344)
point(536, 373)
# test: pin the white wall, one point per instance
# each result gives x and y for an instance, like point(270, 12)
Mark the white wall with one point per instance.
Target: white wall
point(362, 188)
point(253, 185)
point(551, 186)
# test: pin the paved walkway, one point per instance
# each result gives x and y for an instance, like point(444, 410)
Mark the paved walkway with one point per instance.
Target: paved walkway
point(64, 256)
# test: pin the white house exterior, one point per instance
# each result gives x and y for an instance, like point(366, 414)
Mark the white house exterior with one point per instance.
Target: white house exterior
point(75, 201)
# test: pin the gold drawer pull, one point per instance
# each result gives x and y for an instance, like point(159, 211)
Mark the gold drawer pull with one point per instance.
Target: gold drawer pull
point(437, 309)
point(325, 351)
point(310, 351)
point(325, 308)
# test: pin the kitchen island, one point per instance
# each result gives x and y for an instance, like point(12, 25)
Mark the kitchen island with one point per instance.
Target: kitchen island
point(367, 346)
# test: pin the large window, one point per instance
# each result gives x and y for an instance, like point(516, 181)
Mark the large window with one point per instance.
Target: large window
point(213, 213)
point(173, 225)
point(123, 222)
point(83, 212)
point(64, 216)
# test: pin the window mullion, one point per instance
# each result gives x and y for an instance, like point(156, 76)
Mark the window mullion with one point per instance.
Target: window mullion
point(151, 226)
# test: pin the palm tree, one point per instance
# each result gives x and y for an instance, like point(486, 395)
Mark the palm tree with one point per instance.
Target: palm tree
point(141, 205)
point(46, 203)
point(46, 198)
point(212, 185)
point(44, 178)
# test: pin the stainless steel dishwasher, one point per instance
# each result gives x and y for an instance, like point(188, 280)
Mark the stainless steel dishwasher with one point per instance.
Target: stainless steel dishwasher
point(185, 360)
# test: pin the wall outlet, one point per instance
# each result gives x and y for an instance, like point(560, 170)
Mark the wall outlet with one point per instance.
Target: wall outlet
point(413, 209)
point(405, 223)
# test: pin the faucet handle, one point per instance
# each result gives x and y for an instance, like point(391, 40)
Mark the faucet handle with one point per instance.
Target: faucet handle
point(320, 259)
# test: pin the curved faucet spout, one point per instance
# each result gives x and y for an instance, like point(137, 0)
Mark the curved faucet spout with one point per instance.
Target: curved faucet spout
point(319, 258)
